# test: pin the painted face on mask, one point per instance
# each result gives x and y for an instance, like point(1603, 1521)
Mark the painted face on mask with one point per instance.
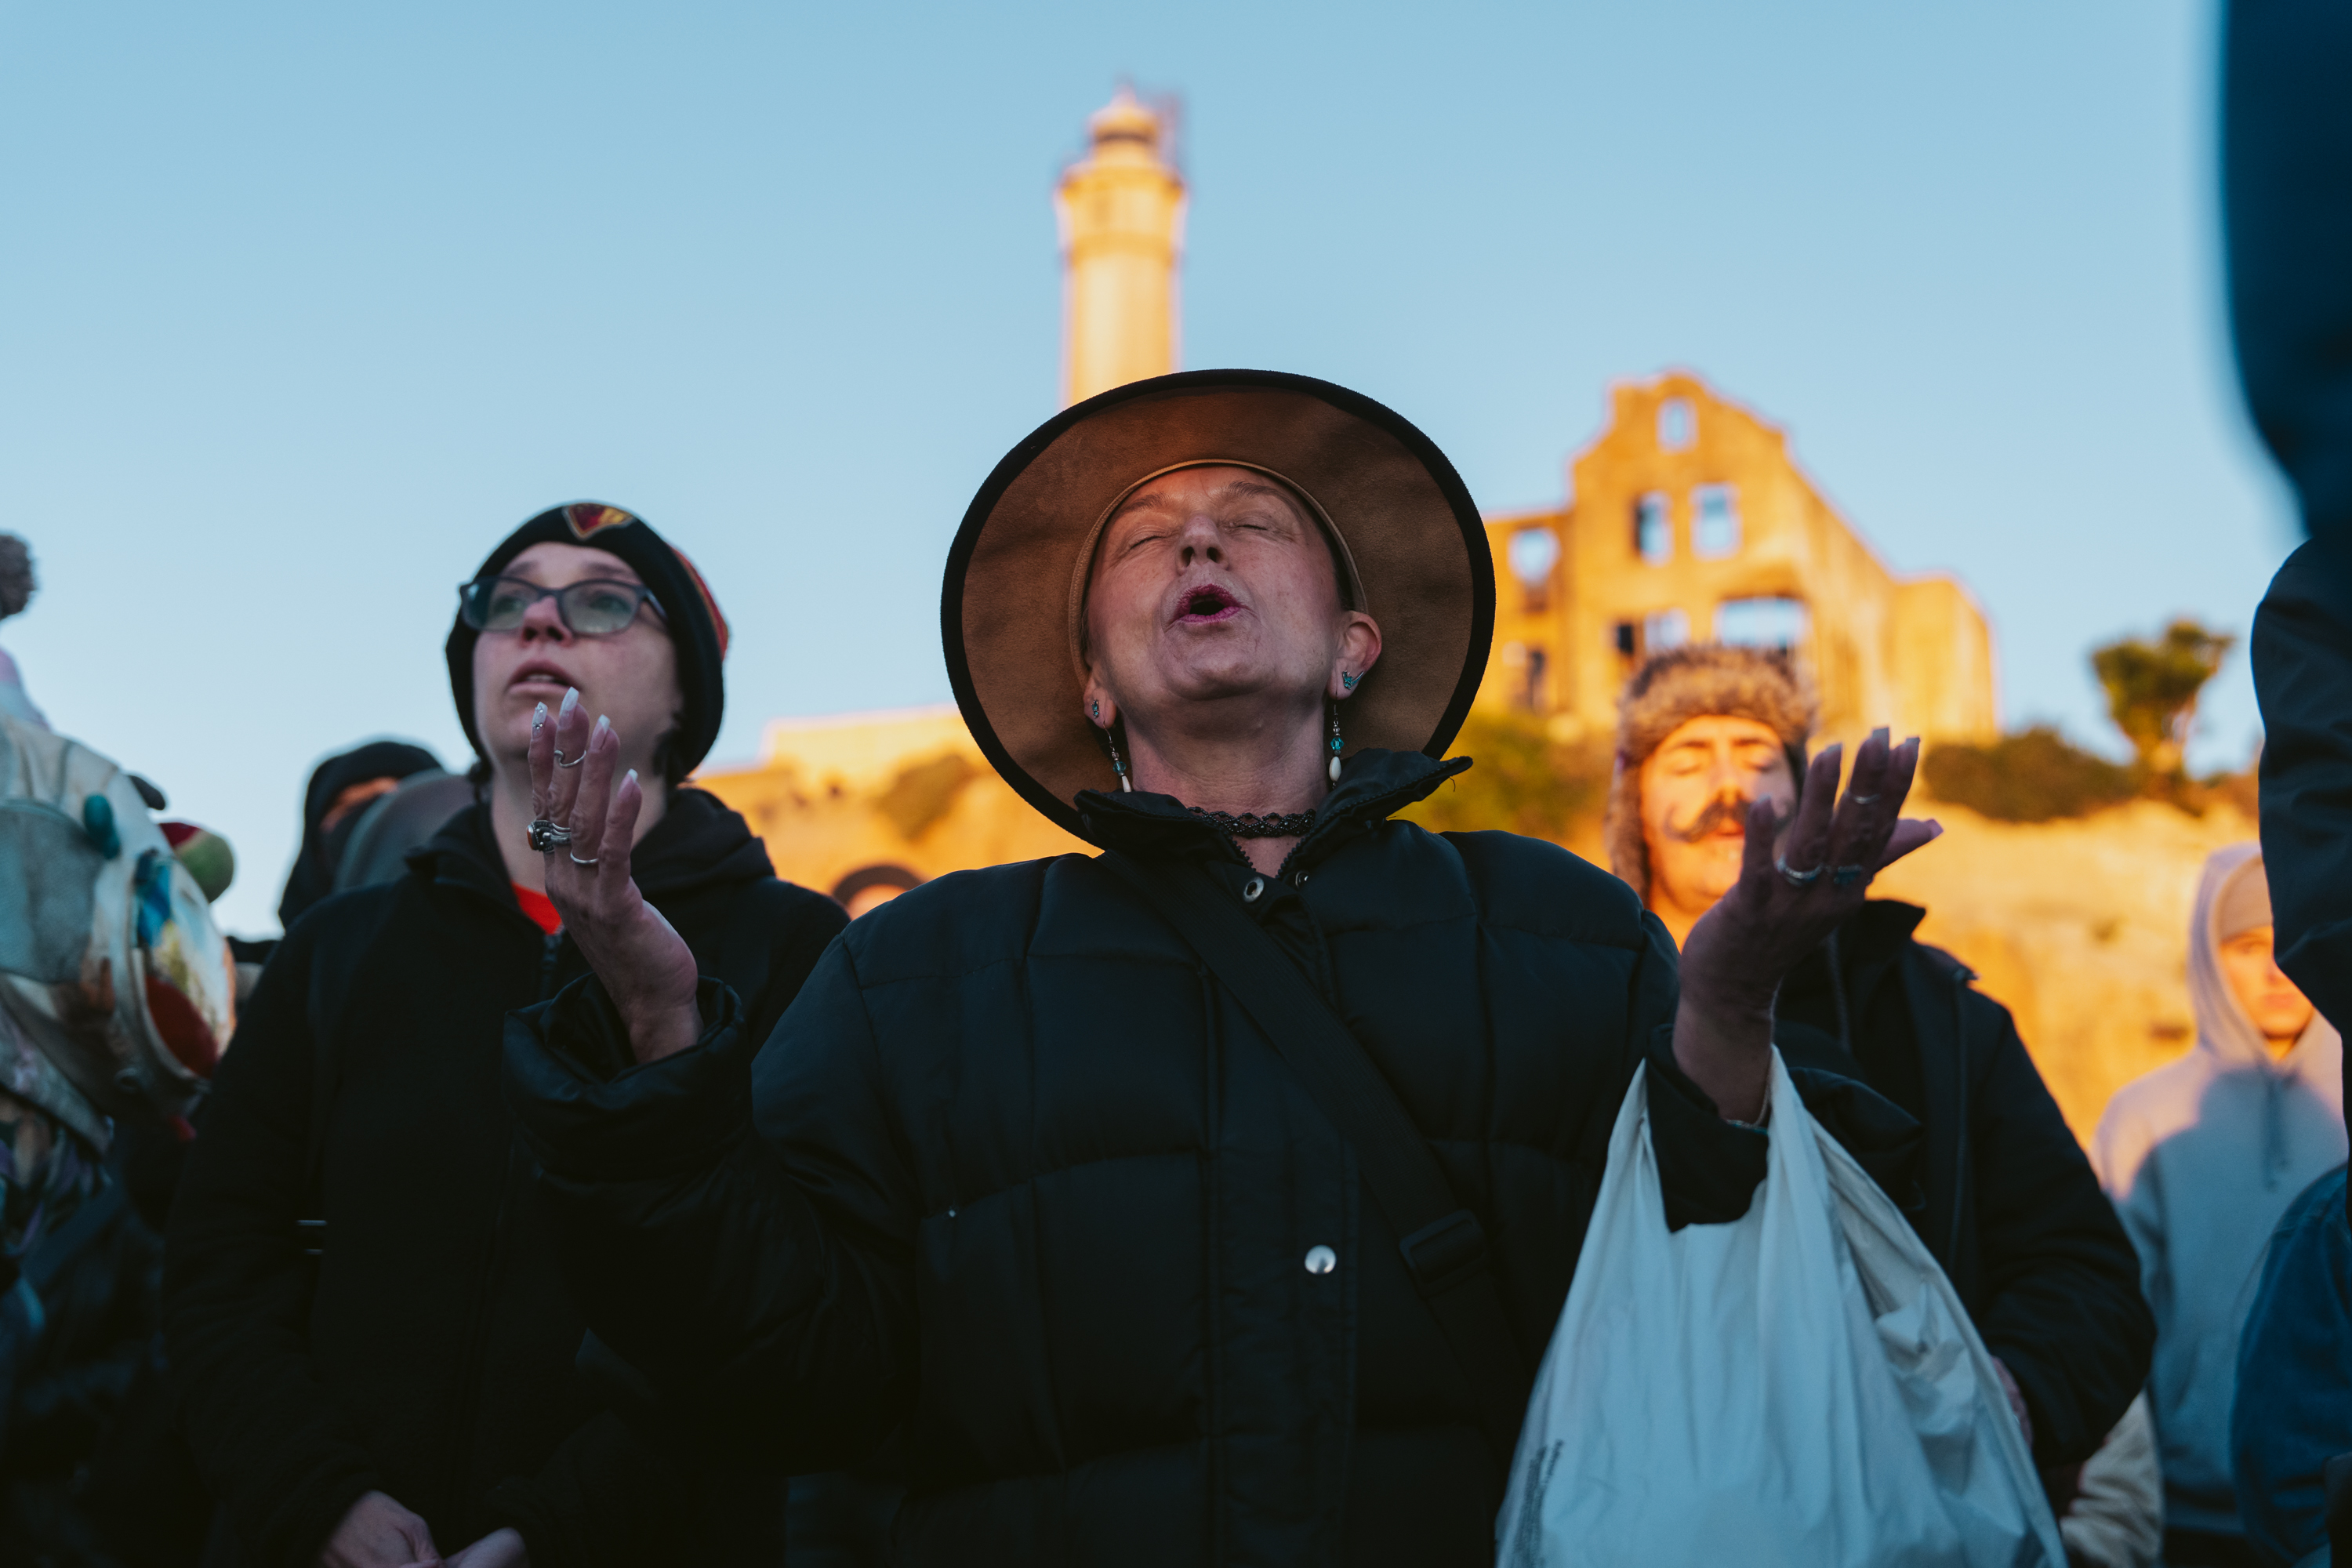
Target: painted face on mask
point(1696, 789)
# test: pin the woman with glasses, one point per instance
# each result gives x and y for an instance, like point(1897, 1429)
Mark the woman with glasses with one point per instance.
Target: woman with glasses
point(379, 1359)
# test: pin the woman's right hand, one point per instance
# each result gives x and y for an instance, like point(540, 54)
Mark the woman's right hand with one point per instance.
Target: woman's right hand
point(644, 965)
point(379, 1534)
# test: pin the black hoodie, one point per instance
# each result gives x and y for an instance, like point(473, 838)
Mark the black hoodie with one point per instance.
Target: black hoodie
point(430, 1352)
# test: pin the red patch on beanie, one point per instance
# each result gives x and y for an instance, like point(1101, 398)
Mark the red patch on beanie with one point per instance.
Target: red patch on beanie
point(589, 517)
point(718, 621)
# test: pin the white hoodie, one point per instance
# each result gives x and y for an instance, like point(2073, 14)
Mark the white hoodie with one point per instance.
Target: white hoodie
point(2201, 1158)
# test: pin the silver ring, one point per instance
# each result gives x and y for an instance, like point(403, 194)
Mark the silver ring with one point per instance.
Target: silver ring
point(1861, 799)
point(573, 763)
point(1847, 876)
point(576, 860)
point(1796, 878)
point(543, 836)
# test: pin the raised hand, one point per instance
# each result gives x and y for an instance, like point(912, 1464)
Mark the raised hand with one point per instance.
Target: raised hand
point(1798, 882)
point(585, 826)
point(378, 1532)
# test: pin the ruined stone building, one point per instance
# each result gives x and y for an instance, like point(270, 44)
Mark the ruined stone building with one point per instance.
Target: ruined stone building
point(1687, 522)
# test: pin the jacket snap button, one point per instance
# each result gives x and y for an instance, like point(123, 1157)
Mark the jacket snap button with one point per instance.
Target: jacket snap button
point(1321, 1260)
point(1252, 888)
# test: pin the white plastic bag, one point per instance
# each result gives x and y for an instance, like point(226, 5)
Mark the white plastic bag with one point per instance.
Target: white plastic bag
point(1802, 1387)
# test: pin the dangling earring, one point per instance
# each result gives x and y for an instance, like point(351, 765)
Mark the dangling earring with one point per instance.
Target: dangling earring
point(1335, 742)
point(1118, 763)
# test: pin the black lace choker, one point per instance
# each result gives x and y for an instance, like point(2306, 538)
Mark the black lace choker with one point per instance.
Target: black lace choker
point(1249, 825)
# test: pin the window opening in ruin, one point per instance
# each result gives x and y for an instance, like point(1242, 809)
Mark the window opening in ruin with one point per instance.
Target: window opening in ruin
point(1771, 622)
point(1531, 698)
point(1677, 427)
point(1715, 522)
point(1663, 629)
point(1533, 553)
point(1654, 528)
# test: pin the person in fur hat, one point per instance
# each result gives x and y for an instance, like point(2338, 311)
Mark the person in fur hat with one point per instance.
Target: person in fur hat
point(2000, 1191)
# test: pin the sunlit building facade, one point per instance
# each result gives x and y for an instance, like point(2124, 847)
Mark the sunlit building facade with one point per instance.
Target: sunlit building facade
point(1688, 522)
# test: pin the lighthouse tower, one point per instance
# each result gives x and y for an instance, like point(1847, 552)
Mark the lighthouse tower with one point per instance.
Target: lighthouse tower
point(1121, 212)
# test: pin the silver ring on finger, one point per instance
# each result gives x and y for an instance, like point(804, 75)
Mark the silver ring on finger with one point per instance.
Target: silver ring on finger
point(1847, 876)
point(543, 835)
point(574, 762)
point(1861, 799)
point(1796, 878)
point(577, 861)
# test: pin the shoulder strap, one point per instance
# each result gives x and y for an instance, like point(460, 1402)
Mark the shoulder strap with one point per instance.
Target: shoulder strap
point(1443, 1244)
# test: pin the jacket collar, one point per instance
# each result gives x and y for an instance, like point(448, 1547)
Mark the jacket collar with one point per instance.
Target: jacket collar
point(1374, 785)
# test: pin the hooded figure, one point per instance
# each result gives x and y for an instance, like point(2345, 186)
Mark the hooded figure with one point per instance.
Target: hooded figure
point(2202, 1157)
point(338, 790)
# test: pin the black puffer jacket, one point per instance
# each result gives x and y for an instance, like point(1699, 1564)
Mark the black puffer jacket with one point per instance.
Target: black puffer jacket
point(1015, 1170)
point(2006, 1200)
point(435, 1357)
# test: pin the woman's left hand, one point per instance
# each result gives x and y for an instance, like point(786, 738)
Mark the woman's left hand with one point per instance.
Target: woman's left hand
point(1796, 886)
point(646, 967)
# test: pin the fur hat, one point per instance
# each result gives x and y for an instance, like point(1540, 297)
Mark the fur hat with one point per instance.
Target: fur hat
point(1668, 691)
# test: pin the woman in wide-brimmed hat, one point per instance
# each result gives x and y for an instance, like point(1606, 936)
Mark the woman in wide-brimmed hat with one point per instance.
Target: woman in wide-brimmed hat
point(1209, 1199)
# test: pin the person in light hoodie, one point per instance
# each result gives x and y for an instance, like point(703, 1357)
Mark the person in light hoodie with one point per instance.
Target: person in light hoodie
point(2201, 1157)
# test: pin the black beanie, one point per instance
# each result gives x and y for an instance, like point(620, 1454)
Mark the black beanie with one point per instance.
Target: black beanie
point(696, 627)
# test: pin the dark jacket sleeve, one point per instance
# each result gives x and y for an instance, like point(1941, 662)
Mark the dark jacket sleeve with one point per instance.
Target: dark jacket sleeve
point(607, 1496)
point(1709, 1168)
point(2303, 677)
point(2061, 1303)
point(272, 1447)
point(760, 1276)
point(2286, 168)
point(2294, 1406)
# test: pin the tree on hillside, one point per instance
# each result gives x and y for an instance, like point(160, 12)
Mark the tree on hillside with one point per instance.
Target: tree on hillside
point(1522, 781)
point(2152, 688)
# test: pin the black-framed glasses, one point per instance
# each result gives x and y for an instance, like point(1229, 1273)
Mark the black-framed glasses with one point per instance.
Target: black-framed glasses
point(596, 608)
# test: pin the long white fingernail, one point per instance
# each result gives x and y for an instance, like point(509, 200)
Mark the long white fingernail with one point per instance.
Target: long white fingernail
point(538, 716)
point(603, 724)
point(629, 777)
point(571, 700)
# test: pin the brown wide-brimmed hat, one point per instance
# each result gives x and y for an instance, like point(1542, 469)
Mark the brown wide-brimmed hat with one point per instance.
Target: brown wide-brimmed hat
point(1009, 612)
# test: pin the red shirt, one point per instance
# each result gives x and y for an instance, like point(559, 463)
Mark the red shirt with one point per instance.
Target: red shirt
point(540, 908)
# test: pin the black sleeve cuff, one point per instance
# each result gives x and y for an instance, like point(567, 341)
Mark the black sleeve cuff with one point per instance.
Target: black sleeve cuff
point(1710, 1168)
point(589, 1111)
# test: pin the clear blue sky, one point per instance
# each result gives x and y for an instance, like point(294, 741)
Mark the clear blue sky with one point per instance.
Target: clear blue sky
point(302, 307)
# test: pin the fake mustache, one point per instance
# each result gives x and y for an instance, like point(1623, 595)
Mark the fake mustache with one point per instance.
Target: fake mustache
point(1723, 808)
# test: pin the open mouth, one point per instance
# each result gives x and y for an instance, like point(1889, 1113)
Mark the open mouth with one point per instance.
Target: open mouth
point(1205, 605)
point(541, 675)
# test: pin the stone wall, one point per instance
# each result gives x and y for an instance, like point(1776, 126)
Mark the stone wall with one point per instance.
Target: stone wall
point(2080, 927)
